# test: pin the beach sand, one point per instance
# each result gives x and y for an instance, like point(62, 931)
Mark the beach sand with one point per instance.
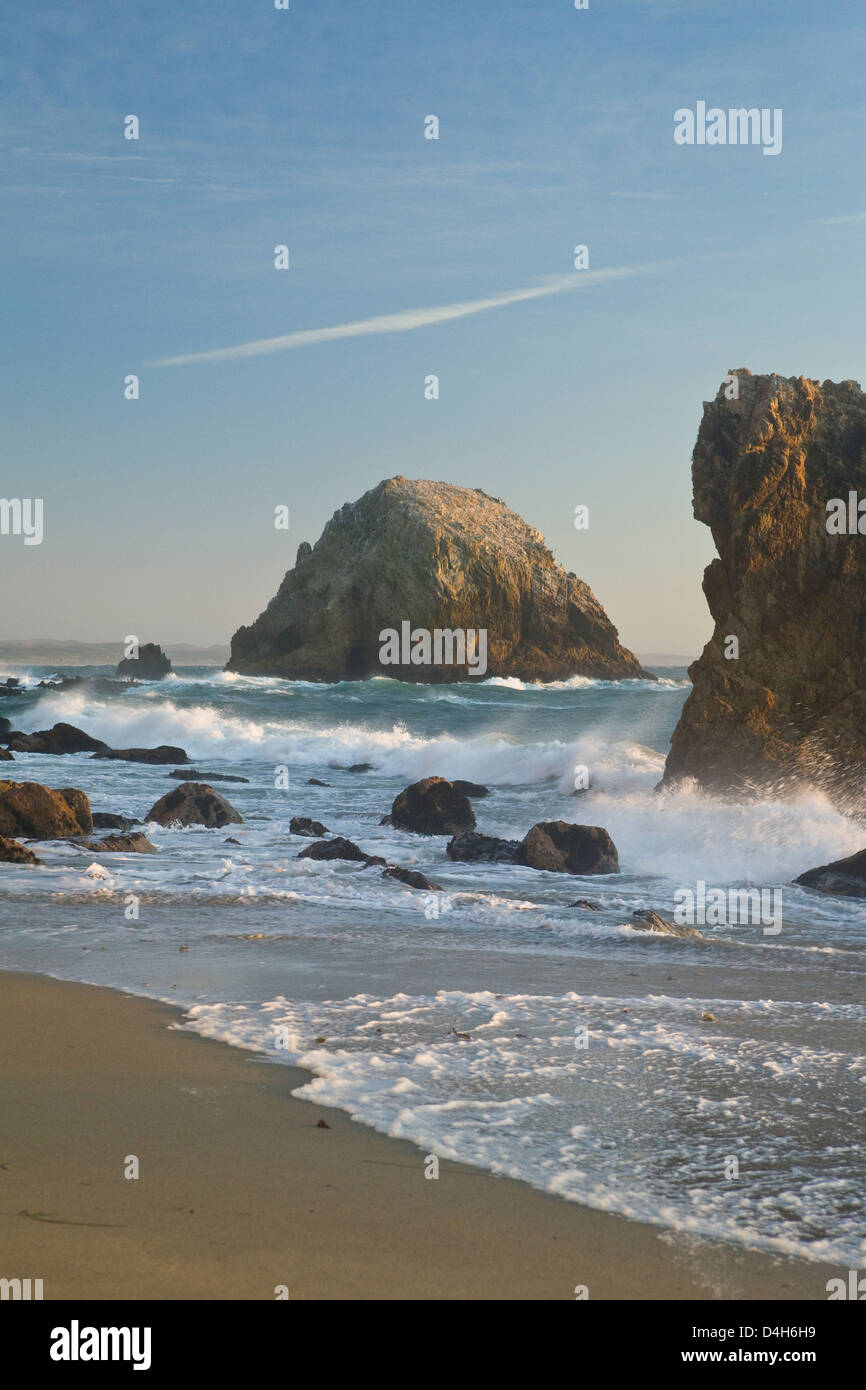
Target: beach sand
point(240, 1191)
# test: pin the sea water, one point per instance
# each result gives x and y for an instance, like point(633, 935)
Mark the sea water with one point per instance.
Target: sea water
point(712, 1085)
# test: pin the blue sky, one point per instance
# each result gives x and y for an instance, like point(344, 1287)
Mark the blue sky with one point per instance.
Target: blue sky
point(306, 127)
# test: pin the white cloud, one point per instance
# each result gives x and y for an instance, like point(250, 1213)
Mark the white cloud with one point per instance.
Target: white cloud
point(401, 322)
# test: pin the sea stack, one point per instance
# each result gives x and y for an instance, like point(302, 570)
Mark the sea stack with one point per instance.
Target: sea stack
point(412, 557)
point(779, 697)
point(151, 664)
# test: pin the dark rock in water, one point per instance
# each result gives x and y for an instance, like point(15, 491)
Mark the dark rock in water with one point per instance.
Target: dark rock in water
point(302, 825)
point(767, 471)
point(165, 753)
point(61, 738)
point(586, 905)
point(6, 756)
point(151, 664)
point(647, 920)
point(360, 767)
point(338, 848)
point(11, 686)
point(123, 844)
point(5, 724)
point(447, 558)
point(104, 820)
point(93, 685)
point(471, 789)
point(13, 853)
point(411, 877)
point(231, 841)
point(314, 782)
point(844, 878)
point(431, 807)
point(569, 849)
point(470, 847)
point(193, 803)
point(192, 774)
point(41, 813)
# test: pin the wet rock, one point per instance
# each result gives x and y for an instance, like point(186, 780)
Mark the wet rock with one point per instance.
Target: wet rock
point(569, 849)
point(338, 848)
point(137, 843)
point(302, 825)
point(192, 774)
point(360, 767)
point(647, 920)
point(61, 738)
point(411, 877)
point(41, 813)
point(470, 789)
point(151, 664)
point(13, 853)
point(103, 820)
point(469, 847)
point(314, 782)
point(844, 878)
point(165, 753)
point(231, 841)
point(193, 803)
point(431, 807)
point(586, 905)
point(6, 756)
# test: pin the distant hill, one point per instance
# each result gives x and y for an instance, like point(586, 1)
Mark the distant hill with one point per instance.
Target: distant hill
point(47, 651)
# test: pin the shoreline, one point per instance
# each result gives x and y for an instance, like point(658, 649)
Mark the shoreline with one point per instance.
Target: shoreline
point(243, 1187)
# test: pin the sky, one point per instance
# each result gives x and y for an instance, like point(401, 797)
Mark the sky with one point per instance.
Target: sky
point(455, 257)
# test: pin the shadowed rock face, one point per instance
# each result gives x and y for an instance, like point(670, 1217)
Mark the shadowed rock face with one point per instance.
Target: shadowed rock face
point(42, 813)
point(436, 556)
point(792, 709)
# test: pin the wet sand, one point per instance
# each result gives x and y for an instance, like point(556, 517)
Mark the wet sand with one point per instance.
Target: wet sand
point(240, 1191)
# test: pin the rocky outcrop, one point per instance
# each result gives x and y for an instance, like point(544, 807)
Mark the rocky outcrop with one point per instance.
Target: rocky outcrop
point(192, 774)
point(193, 803)
point(470, 847)
point(302, 825)
point(151, 664)
point(470, 789)
point(555, 846)
point(645, 919)
point(60, 738)
point(338, 848)
point(779, 697)
point(844, 878)
point(165, 753)
point(431, 807)
point(136, 843)
point(411, 877)
point(569, 849)
point(41, 813)
point(106, 820)
point(434, 556)
point(6, 756)
point(13, 853)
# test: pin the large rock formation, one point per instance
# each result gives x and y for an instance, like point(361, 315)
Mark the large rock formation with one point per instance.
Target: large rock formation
point(41, 813)
point(435, 556)
point(791, 708)
point(151, 664)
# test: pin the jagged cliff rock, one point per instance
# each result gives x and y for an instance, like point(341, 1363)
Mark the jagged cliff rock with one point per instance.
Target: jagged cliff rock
point(431, 555)
point(791, 709)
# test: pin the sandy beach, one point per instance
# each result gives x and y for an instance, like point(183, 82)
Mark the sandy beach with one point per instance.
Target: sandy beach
point(241, 1190)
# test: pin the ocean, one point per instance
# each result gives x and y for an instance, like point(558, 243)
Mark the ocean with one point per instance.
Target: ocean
point(713, 1086)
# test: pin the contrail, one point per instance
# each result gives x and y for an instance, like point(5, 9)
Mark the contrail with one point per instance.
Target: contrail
point(402, 322)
